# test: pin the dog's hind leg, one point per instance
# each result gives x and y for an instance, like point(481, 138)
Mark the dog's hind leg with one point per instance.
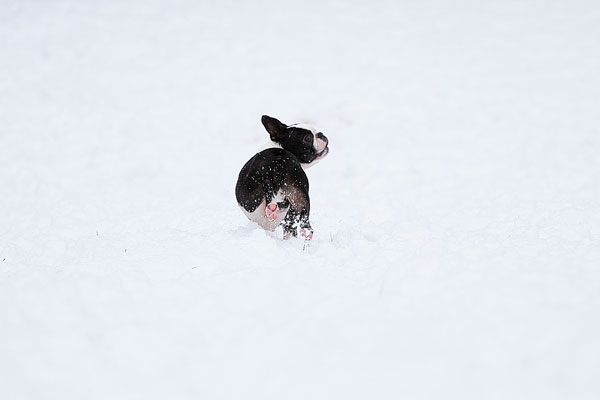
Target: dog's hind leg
point(298, 214)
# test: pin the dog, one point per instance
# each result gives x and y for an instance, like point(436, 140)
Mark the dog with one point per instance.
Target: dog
point(272, 187)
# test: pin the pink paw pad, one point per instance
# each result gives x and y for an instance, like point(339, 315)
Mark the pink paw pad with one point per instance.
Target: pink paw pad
point(272, 211)
point(306, 234)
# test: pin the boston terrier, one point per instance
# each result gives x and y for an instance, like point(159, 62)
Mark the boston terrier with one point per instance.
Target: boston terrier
point(272, 188)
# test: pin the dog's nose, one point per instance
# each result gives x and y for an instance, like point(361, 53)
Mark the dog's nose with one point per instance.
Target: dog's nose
point(321, 144)
point(322, 137)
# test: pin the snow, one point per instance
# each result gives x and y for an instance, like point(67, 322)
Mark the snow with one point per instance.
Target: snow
point(457, 244)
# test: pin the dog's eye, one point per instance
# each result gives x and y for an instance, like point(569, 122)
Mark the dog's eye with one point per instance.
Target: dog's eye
point(307, 138)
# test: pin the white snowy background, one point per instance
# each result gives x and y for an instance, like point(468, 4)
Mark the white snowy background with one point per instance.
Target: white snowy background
point(457, 218)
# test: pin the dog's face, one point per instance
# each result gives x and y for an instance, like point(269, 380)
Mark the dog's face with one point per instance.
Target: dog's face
point(304, 142)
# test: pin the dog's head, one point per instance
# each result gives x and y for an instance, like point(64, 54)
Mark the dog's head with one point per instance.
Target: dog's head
point(304, 142)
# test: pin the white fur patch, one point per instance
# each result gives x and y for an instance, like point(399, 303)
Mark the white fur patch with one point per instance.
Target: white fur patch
point(279, 196)
point(304, 126)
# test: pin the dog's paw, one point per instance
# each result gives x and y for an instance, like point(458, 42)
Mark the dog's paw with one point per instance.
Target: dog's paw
point(306, 233)
point(272, 211)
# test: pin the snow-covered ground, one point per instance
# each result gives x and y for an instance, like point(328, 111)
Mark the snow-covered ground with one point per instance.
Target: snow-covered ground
point(457, 217)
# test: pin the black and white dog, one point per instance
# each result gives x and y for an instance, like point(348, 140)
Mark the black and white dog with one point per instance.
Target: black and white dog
point(272, 188)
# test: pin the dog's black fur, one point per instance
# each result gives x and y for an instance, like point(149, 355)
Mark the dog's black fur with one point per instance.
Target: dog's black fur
point(276, 175)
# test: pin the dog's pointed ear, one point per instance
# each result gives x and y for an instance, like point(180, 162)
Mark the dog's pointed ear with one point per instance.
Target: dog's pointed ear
point(274, 127)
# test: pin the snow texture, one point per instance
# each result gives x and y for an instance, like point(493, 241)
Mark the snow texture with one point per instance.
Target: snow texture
point(457, 218)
